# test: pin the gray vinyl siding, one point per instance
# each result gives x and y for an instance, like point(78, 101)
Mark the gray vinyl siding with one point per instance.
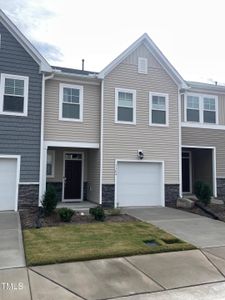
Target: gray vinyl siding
point(58, 130)
point(21, 135)
point(122, 141)
point(210, 138)
point(221, 105)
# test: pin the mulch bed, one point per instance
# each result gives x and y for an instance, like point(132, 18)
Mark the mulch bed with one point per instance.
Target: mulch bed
point(29, 219)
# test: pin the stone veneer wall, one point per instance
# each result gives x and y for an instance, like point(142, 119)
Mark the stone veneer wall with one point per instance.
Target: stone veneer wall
point(28, 195)
point(220, 182)
point(108, 192)
point(171, 194)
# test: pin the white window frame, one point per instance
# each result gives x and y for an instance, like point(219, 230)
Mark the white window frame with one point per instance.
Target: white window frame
point(71, 86)
point(133, 92)
point(151, 94)
point(52, 152)
point(2, 93)
point(201, 108)
point(145, 60)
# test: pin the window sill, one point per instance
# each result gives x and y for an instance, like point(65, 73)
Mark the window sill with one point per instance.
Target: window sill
point(202, 125)
point(15, 114)
point(158, 125)
point(125, 123)
point(71, 120)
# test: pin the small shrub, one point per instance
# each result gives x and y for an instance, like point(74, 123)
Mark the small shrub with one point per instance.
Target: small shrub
point(98, 213)
point(65, 214)
point(50, 200)
point(206, 194)
point(198, 188)
point(114, 212)
point(203, 192)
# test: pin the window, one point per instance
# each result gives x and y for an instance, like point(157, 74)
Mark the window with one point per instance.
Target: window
point(158, 109)
point(142, 65)
point(209, 110)
point(125, 106)
point(50, 170)
point(14, 95)
point(201, 108)
point(193, 109)
point(71, 102)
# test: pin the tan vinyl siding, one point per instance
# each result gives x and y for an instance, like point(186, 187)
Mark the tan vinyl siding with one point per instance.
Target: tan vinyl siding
point(93, 175)
point(86, 131)
point(210, 138)
point(221, 104)
point(122, 141)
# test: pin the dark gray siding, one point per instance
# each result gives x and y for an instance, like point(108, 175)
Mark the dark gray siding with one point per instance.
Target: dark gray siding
point(21, 135)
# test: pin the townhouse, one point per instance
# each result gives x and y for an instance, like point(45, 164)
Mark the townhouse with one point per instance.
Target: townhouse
point(134, 134)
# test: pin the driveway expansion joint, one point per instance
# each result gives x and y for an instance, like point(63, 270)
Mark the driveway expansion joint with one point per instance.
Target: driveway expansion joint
point(133, 265)
point(55, 282)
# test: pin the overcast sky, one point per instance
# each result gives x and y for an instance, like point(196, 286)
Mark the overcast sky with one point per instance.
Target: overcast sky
point(191, 34)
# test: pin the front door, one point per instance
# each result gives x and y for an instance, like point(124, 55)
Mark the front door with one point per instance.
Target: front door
point(186, 172)
point(72, 177)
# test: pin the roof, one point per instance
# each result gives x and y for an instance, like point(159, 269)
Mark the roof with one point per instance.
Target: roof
point(74, 71)
point(41, 61)
point(159, 56)
point(206, 86)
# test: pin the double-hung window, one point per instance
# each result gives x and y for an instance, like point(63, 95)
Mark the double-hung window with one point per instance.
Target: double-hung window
point(158, 109)
point(201, 109)
point(14, 95)
point(71, 102)
point(125, 106)
point(209, 110)
point(193, 109)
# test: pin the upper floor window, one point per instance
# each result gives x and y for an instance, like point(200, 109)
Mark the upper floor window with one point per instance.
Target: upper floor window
point(50, 170)
point(158, 109)
point(201, 108)
point(125, 106)
point(14, 95)
point(142, 65)
point(71, 102)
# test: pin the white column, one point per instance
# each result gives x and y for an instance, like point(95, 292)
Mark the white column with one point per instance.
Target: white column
point(43, 170)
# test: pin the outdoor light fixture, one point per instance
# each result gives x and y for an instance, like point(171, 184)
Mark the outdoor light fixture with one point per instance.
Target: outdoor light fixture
point(140, 154)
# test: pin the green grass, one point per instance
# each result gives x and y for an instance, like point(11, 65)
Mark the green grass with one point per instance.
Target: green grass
point(59, 244)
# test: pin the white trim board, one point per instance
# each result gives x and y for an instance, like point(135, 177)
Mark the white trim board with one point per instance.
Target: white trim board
point(18, 159)
point(202, 125)
point(71, 144)
point(140, 161)
point(213, 163)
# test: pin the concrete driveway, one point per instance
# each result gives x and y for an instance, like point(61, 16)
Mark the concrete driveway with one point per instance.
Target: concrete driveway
point(197, 230)
point(11, 242)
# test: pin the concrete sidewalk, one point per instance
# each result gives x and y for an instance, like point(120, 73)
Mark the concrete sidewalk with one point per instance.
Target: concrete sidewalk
point(11, 242)
point(197, 230)
point(190, 274)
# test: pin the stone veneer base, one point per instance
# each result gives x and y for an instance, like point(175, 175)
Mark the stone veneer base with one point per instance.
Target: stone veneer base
point(28, 195)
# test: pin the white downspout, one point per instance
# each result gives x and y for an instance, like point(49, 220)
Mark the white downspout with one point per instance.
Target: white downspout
point(101, 142)
point(42, 175)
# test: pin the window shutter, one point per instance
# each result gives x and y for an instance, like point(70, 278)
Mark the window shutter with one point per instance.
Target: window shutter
point(142, 65)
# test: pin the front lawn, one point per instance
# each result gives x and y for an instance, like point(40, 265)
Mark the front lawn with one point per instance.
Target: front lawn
point(97, 240)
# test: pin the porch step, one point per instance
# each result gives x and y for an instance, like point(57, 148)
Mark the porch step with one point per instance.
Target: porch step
point(77, 206)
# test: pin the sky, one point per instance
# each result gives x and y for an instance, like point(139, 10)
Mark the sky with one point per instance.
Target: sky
point(189, 33)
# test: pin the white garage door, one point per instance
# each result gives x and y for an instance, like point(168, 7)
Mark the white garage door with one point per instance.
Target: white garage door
point(8, 182)
point(140, 184)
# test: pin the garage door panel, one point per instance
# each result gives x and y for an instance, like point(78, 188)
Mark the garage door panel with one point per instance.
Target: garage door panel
point(8, 183)
point(139, 184)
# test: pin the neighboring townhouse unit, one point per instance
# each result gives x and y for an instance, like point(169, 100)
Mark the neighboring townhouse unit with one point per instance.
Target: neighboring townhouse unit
point(134, 134)
point(21, 73)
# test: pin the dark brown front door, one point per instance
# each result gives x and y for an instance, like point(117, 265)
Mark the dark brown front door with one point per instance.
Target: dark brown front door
point(73, 180)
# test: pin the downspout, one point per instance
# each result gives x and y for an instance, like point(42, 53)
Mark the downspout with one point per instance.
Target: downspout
point(180, 143)
point(41, 174)
point(101, 142)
